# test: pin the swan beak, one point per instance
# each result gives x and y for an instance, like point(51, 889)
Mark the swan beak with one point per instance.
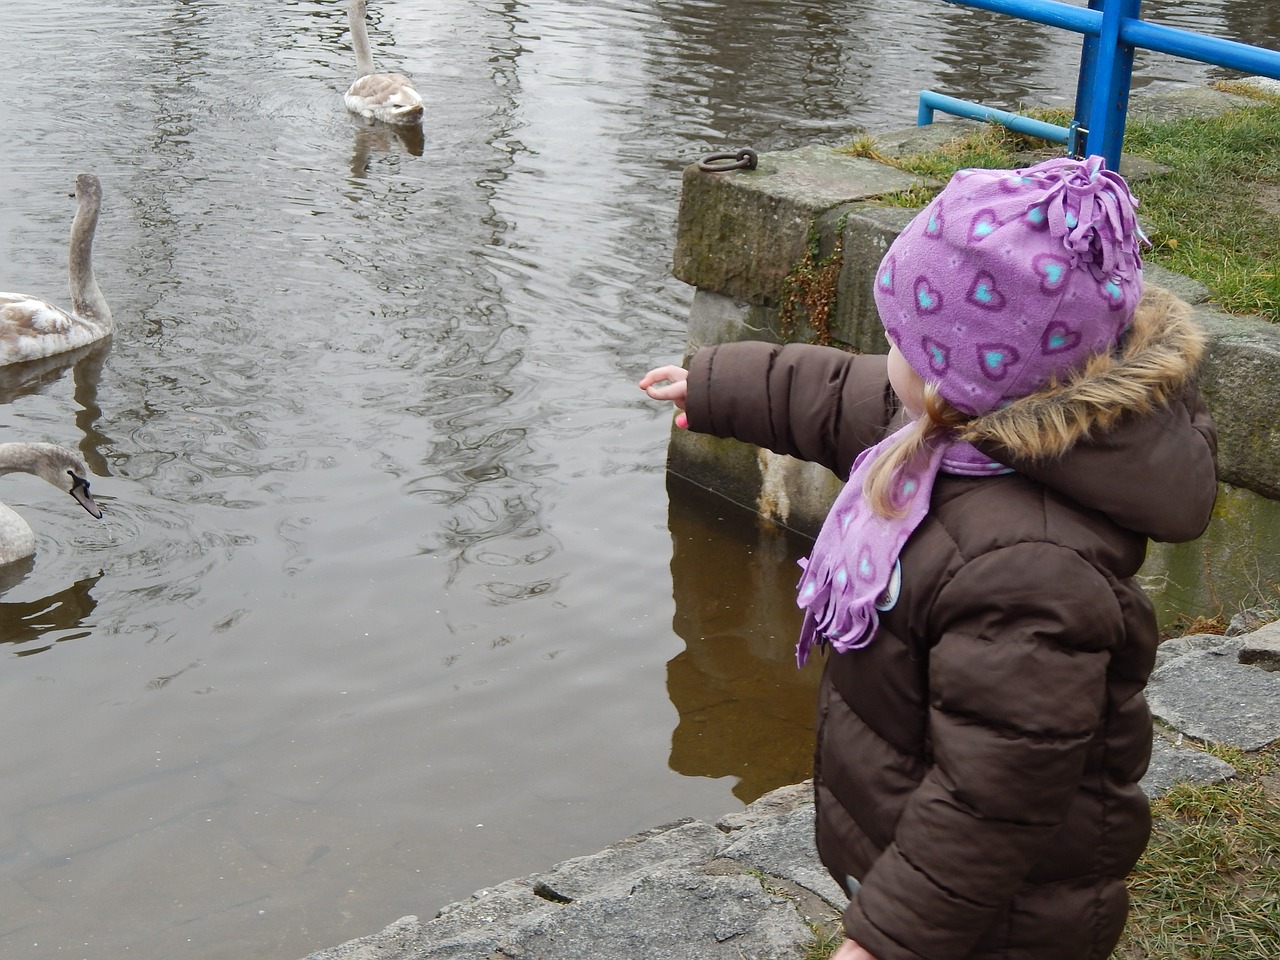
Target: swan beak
point(80, 490)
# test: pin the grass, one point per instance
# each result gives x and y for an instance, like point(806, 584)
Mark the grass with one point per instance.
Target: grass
point(824, 943)
point(1214, 213)
point(1208, 885)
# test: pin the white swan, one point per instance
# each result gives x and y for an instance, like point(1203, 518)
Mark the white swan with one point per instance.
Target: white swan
point(389, 97)
point(31, 328)
point(50, 462)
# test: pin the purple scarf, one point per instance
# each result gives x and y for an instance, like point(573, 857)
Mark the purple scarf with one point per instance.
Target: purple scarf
point(857, 549)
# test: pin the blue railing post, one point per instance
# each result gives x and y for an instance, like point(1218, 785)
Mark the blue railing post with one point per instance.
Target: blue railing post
point(1108, 84)
point(1090, 53)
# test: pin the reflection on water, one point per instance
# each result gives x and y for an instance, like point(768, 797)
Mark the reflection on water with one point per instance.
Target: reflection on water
point(746, 712)
point(33, 626)
point(34, 376)
point(380, 138)
point(390, 602)
point(84, 368)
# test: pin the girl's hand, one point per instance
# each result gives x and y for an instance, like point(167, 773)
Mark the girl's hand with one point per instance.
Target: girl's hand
point(849, 950)
point(668, 383)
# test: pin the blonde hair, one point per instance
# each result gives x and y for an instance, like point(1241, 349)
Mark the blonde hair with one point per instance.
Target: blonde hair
point(880, 486)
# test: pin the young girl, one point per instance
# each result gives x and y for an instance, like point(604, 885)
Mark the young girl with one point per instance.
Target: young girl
point(981, 726)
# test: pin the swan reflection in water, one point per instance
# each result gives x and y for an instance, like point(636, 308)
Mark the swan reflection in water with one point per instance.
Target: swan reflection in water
point(31, 377)
point(371, 139)
point(33, 626)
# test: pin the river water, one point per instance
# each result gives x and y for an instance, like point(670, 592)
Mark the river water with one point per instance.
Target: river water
point(393, 600)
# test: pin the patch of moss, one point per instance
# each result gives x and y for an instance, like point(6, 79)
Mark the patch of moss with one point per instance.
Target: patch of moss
point(809, 291)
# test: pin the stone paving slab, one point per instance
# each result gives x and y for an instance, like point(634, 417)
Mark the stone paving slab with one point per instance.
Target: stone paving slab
point(685, 891)
point(1212, 696)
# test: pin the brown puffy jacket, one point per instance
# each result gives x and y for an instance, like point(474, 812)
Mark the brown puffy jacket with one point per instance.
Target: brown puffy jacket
point(977, 764)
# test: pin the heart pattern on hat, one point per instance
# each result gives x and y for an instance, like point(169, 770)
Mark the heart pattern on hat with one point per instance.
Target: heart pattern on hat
point(939, 355)
point(996, 359)
point(886, 275)
point(928, 298)
point(984, 292)
point(933, 228)
point(1052, 270)
point(1058, 337)
point(984, 224)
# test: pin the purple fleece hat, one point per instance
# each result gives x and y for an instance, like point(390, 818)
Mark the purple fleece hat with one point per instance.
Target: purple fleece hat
point(1009, 278)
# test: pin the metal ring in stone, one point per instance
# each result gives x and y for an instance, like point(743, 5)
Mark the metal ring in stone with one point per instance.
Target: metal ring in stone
point(744, 159)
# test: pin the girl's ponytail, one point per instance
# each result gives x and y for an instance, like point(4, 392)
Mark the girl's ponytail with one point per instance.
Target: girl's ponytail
point(939, 420)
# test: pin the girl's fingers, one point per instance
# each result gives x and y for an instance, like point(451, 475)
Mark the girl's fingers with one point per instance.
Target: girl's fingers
point(666, 391)
point(659, 374)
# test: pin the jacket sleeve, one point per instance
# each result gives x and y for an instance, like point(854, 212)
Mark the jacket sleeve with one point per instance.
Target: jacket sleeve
point(1018, 687)
point(820, 404)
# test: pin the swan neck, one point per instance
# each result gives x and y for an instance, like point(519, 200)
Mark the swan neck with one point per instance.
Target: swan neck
point(86, 297)
point(13, 456)
point(47, 461)
point(360, 37)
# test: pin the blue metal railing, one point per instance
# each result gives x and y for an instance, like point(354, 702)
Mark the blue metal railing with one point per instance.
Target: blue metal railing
point(1112, 32)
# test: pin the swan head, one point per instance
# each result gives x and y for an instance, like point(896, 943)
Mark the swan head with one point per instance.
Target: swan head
point(405, 113)
point(50, 462)
point(54, 464)
point(88, 187)
point(80, 493)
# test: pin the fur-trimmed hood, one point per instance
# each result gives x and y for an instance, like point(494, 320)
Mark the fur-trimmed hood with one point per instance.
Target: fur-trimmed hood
point(1128, 435)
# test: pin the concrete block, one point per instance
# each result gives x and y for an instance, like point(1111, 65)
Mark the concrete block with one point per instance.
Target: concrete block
point(867, 230)
point(1176, 104)
point(1175, 763)
point(782, 489)
point(1241, 381)
point(742, 232)
point(718, 319)
point(1266, 613)
point(909, 141)
point(1214, 698)
point(1192, 291)
point(1262, 647)
point(1267, 86)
